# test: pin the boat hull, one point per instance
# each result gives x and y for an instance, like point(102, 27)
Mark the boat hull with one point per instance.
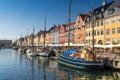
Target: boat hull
point(79, 63)
point(32, 54)
point(43, 54)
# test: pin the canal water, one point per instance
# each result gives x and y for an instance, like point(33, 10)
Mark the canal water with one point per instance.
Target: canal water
point(18, 66)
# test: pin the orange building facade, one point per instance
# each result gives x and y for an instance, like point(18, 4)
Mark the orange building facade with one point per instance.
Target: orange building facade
point(79, 29)
point(47, 38)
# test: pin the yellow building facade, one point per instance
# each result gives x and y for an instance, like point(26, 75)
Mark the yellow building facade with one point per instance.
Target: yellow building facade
point(112, 23)
point(112, 29)
point(96, 19)
point(41, 39)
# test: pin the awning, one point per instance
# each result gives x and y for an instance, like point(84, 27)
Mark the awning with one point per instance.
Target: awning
point(70, 51)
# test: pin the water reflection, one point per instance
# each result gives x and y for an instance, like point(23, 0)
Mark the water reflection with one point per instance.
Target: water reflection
point(66, 73)
point(19, 66)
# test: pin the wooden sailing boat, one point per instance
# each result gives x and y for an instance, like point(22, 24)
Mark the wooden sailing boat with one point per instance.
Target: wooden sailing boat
point(75, 59)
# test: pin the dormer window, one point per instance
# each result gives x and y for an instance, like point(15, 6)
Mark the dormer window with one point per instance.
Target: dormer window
point(90, 14)
point(102, 10)
point(100, 15)
point(88, 19)
point(96, 12)
point(96, 16)
point(118, 8)
point(110, 11)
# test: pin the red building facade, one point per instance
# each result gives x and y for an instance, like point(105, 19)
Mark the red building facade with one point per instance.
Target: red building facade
point(62, 34)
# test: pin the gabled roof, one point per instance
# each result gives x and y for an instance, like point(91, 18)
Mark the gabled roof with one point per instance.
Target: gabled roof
point(72, 23)
point(82, 15)
point(40, 32)
point(52, 28)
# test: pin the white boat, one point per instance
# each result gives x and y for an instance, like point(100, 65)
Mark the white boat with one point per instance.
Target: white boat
point(43, 54)
point(32, 54)
point(28, 51)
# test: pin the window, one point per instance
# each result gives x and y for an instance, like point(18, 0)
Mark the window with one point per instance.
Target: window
point(88, 19)
point(61, 30)
point(113, 40)
point(107, 21)
point(118, 19)
point(100, 15)
point(89, 42)
point(90, 25)
point(95, 32)
point(96, 12)
point(102, 32)
point(108, 31)
point(89, 33)
point(98, 33)
point(79, 28)
point(118, 30)
point(118, 8)
point(94, 41)
point(94, 24)
point(78, 36)
point(101, 22)
point(78, 25)
point(113, 30)
point(67, 28)
point(102, 9)
point(107, 41)
point(87, 25)
point(110, 11)
point(113, 20)
point(118, 41)
point(94, 18)
point(97, 23)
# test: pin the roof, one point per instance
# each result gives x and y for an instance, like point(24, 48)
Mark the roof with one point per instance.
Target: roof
point(113, 6)
point(40, 32)
point(98, 12)
point(82, 15)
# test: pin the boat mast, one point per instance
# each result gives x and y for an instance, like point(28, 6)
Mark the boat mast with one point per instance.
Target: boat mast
point(45, 30)
point(93, 26)
point(69, 20)
point(93, 30)
point(33, 37)
point(21, 41)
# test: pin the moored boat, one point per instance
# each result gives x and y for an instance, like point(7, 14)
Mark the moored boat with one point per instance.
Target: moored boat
point(79, 62)
point(43, 54)
point(32, 54)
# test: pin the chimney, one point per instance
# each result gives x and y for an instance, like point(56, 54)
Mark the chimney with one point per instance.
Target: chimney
point(104, 3)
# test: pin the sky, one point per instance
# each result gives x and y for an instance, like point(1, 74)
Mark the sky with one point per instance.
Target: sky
point(17, 17)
